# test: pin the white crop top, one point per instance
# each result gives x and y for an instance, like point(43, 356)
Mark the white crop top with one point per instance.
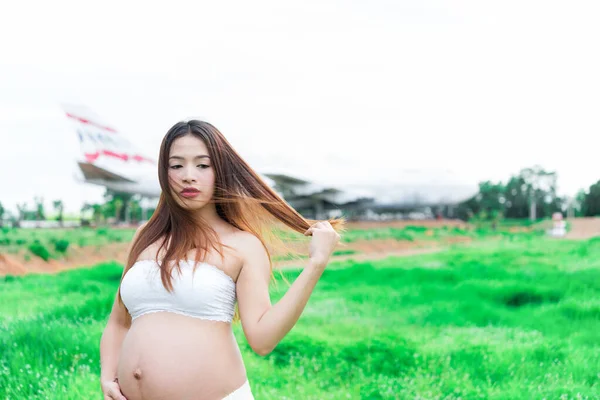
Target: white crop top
point(208, 294)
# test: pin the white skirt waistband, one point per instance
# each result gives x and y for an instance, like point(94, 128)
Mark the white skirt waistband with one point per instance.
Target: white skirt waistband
point(241, 393)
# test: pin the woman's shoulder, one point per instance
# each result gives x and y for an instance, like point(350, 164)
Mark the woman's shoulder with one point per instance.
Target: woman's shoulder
point(245, 238)
point(246, 243)
point(139, 230)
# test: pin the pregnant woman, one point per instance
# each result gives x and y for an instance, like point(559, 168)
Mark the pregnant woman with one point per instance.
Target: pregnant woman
point(205, 249)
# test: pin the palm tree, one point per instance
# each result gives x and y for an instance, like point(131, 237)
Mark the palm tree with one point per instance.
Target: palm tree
point(39, 208)
point(59, 207)
point(97, 213)
point(22, 207)
point(118, 206)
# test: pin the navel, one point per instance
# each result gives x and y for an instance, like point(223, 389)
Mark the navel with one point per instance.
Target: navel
point(137, 374)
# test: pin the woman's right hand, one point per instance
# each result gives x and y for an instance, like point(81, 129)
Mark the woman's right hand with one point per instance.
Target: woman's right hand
point(323, 242)
point(112, 391)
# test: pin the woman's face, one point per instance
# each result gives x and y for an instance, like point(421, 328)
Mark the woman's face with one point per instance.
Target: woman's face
point(191, 176)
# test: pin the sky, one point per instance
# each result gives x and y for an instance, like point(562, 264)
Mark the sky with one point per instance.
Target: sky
point(344, 93)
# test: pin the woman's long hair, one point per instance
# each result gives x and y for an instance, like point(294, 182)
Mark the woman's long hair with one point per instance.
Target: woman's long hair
point(241, 198)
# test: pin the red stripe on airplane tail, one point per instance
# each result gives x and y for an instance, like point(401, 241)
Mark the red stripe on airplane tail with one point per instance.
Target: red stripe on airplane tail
point(91, 157)
point(139, 158)
point(87, 121)
point(122, 156)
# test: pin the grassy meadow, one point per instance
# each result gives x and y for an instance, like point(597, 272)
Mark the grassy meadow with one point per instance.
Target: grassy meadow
point(509, 317)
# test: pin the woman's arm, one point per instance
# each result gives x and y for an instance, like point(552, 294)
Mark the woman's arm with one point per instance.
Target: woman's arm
point(117, 326)
point(265, 325)
point(110, 343)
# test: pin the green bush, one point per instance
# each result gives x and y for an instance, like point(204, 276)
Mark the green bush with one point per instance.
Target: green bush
point(403, 235)
point(344, 252)
point(415, 228)
point(40, 250)
point(115, 238)
point(61, 245)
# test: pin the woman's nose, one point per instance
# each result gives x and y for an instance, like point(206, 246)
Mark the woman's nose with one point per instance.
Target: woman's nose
point(188, 176)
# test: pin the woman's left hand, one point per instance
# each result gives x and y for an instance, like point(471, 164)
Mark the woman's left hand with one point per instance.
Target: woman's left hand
point(324, 240)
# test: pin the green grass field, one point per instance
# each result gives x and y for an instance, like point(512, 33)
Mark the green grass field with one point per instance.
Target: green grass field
point(511, 318)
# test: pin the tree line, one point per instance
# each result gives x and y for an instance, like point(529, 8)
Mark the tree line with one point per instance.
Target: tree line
point(529, 194)
point(117, 207)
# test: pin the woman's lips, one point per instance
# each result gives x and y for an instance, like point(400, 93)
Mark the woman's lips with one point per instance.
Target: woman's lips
point(190, 193)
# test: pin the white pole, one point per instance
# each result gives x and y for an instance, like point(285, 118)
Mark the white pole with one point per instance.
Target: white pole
point(532, 209)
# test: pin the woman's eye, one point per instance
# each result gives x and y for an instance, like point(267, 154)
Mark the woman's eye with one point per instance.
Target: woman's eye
point(175, 166)
point(203, 166)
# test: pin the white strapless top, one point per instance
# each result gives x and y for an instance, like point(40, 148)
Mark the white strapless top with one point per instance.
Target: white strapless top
point(206, 293)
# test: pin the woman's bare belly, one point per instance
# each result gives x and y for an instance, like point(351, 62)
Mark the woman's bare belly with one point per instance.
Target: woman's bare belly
point(170, 356)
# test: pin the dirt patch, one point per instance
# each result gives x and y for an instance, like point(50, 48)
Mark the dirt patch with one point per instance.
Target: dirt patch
point(457, 239)
point(9, 266)
point(583, 228)
point(380, 249)
point(78, 257)
point(385, 245)
point(88, 256)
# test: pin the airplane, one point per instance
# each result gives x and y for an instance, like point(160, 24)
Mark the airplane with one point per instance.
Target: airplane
point(108, 159)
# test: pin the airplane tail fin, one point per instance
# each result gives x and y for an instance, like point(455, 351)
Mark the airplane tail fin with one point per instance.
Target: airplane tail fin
point(104, 152)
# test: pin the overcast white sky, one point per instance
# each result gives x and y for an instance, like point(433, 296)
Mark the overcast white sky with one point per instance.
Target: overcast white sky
point(341, 92)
